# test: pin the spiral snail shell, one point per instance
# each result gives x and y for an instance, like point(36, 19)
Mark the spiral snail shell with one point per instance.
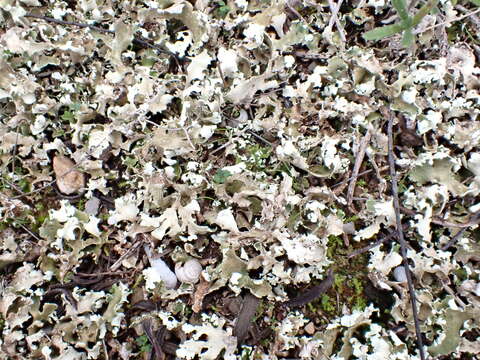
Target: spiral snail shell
point(188, 272)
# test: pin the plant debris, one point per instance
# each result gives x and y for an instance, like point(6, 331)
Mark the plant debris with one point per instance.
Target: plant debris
point(210, 179)
point(312, 293)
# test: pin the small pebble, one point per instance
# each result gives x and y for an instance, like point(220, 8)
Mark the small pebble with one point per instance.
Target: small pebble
point(92, 205)
point(349, 228)
point(69, 180)
point(399, 274)
point(310, 328)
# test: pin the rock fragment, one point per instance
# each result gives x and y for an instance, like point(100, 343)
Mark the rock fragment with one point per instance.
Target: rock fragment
point(69, 179)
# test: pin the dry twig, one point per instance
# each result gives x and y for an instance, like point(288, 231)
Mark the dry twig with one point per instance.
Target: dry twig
point(356, 168)
point(334, 8)
point(439, 221)
point(127, 253)
point(473, 220)
point(472, 17)
point(371, 246)
point(448, 22)
point(403, 244)
point(297, 14)
point(359, 174)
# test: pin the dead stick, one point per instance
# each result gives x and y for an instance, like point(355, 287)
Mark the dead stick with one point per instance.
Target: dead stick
point(375, 244)
point(334, 8)
point(371, 246)
point(356, 168)
point(473, 219)
point(403, 244)
point(438, 221)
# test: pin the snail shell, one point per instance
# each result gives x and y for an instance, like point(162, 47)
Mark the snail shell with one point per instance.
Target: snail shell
point(189, 272)
point(161, 270)
point(164, 273)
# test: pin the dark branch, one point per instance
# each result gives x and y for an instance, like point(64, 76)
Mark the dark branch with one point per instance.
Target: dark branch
point(403, 245)
point(371, 246)
point(474, 219)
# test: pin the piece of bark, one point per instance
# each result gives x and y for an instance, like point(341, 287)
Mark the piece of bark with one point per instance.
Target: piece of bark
point(244, 319)
point(69, 180)
point(312, 293)
point(200, 291)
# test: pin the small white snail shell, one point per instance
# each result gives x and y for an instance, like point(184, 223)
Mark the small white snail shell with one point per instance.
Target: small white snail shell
point(159, 270)
point(189, 272)
point(164, 273)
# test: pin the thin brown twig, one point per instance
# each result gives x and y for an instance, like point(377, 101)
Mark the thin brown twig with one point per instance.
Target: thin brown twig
point(449, 290)
point(350, 178)
point(375, 244)
point(448, 22)
point(30, 232)
point(473, 18)
point(15, 187)
point(297, 14)
point(381, 181)
point(259, 137)
point(229, 142)
point(359, 174)
point(76, 166)
point(35, 191)
point(334, 8)
point(474, 220)
point(15, 151)
point(50, 183)
point(127, 253)
point(356, 167)
point(438, 221)
point(99, 274)
point(69, 23)
point(371, 246)
point(403, 244)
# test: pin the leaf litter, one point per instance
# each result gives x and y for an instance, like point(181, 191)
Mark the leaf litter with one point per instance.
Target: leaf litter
point(139, 137)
